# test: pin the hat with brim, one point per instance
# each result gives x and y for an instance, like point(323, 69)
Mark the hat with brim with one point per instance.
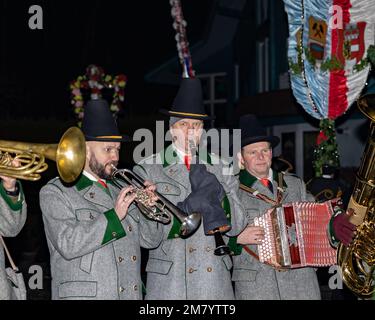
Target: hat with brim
point(252, 131)
point(188, 102)
point(98, 123)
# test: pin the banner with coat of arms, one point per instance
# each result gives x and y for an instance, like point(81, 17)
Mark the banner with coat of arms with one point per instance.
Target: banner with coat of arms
point(330, 42)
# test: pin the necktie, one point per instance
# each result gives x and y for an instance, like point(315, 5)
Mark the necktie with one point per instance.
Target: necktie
point(103, 184)
point(187, 162)
point(267, 184)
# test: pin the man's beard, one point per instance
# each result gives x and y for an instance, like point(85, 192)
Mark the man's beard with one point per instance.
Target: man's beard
point(98, 168)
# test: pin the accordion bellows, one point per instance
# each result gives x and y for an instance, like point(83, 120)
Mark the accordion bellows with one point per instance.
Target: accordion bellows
point(296, 235)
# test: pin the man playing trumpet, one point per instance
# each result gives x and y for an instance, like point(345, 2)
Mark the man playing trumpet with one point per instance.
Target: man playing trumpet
point(94, 232)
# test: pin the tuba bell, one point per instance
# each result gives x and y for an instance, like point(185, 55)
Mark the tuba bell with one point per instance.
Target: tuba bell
point(357, 261)
point(69, 155)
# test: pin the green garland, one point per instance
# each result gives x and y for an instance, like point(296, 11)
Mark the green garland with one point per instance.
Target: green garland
point(296, 68)
point(330, 64)
point(369, 59)
point(326, 151)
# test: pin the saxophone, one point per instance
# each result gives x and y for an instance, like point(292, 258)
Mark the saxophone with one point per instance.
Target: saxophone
point(357, 261)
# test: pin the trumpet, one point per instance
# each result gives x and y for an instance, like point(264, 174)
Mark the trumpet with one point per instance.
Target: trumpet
point(163, 208)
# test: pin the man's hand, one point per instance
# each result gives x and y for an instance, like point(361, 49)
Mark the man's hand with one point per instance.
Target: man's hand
point(124, 199)
point(251, 235)
point(150, 190)
point(343, 229)
point(9, 183)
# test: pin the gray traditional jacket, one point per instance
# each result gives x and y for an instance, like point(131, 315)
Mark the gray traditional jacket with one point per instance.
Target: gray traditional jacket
point(187, 268)
point(94, 255)
point(255, 280)
point(12, 219)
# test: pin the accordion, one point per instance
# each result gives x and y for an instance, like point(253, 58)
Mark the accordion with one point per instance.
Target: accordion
point(296, 236)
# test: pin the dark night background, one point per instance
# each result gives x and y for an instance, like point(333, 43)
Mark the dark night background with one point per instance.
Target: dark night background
point(130, 37)
point(36, 67)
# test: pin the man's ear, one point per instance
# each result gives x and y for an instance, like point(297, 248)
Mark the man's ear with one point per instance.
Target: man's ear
point(172, 131)
point(241, 161)
point(88, 150)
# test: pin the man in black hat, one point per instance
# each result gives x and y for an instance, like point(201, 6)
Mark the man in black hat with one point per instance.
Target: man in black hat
point(260, 189)
point(93, 230)
point(187, 267)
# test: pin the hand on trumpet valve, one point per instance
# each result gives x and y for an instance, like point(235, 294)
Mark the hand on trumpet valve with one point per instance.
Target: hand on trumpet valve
point(151, 197)
point(9, 183)
point(124, 200)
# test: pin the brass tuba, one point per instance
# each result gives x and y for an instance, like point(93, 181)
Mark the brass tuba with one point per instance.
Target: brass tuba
point(357, 261)
point(69, 154)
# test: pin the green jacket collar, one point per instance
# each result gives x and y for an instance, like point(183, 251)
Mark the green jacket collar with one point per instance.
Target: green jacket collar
point(248, 179)
point(169, 156)
point(84, 182)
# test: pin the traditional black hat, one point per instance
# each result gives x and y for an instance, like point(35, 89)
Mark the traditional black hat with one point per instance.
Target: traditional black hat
point(252, 131)
point(98, 123)
point(188, 102)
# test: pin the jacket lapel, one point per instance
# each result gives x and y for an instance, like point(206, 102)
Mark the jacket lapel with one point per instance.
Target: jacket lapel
point(94, 193)
point(252, 182)
point(179, 174)
point(174, 168)
point(98, 196)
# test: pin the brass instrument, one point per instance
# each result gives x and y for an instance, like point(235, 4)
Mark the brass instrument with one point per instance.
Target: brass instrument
point(69, 154)
point(162, 210)
point(357, 261)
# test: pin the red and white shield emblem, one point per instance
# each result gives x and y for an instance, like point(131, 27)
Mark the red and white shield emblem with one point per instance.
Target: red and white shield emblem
point(351, 42)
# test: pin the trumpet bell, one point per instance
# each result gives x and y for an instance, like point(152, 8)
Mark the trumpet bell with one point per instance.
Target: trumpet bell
point(190, 224)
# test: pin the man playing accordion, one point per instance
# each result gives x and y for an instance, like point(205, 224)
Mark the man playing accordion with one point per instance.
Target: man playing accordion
point(253, 279)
